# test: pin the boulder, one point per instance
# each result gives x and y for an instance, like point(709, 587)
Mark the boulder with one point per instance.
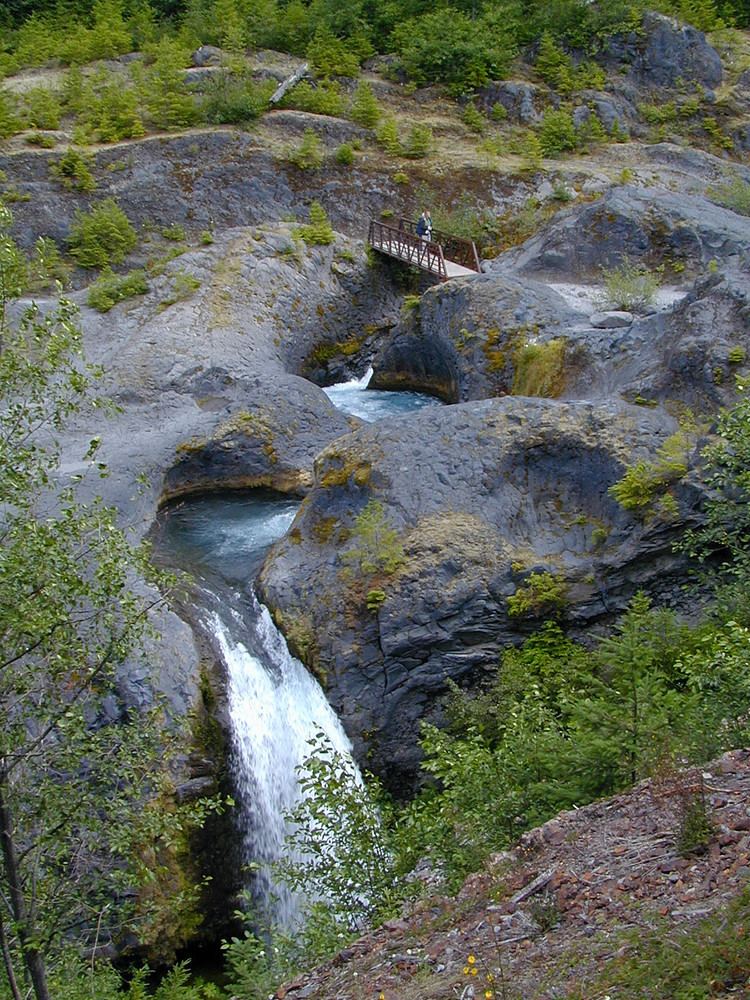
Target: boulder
point(611, 320)
point(460, 343)
point(520, 100)
point(208, 55)
point(480, 495)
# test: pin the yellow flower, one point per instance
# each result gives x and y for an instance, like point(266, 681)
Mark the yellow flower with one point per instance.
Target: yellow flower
point(488, 995)
point(490, 978)
point(466, 970)
point(471, 960)
point(474, 971)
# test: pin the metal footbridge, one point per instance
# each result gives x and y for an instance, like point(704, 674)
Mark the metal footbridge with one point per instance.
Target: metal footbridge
point(444, 255)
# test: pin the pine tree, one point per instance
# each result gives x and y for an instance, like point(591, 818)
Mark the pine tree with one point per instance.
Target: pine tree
point(365, 110)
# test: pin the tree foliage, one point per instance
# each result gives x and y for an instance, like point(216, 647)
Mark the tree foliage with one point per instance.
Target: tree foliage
point(84, 785)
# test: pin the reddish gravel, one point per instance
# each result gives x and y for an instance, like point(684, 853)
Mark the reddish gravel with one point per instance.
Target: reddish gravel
point(547, 914)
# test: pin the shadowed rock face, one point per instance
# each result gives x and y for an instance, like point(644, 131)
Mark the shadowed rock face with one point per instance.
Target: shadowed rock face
point(665, 53)
point(481, 494)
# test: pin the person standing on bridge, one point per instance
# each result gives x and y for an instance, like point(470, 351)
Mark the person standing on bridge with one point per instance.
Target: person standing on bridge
point(424, 226)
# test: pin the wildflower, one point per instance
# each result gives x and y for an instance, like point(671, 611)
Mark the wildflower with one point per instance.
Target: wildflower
point(473, 970)
point(471, 959)
point(488, 995)
point(466, 970)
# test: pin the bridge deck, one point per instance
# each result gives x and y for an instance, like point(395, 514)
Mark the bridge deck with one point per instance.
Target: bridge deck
point(445, 256)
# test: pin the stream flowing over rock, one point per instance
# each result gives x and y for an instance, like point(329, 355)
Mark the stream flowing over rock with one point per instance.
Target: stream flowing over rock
point(557, 394)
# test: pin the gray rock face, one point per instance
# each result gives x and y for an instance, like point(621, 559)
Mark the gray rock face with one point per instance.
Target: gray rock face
point(666, 53)
point(635, 223)
point(519, 99)
point(480, 494)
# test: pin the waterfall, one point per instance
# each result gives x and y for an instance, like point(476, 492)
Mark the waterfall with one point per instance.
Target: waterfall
point(275, 706)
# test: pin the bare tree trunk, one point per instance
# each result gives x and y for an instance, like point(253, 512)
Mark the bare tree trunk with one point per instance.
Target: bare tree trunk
point(31, 956)
point(10, 972)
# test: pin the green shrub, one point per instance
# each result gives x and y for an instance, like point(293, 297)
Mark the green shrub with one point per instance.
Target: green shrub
point(557, 69)
point(110, 113)
point(10, 123)
point(234, 100)
point(41, 139)
point(557, 133)
point(629, 286)
point(309, 154)
point(473, 118)
point(365, 110)
point(329, 56)
point(319, 231)
point(345, 155)
point(175, 233)
point(644, 486)
point(73, 171)
point(541, 594)
point(162, 87)
point(47, 269)
point(737, 355)
point(111, 288)
point(388, 138)
point(418, 142)
point(696, 828)
point(323, 99)
point(41, 108)
point(377, 547)
point(102, 236)
point(447, 46)
point(339, 850)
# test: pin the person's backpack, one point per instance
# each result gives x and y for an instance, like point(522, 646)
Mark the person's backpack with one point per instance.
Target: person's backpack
point(421, 226)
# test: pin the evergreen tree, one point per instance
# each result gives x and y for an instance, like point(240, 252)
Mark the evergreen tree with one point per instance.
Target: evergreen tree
point(365, 110)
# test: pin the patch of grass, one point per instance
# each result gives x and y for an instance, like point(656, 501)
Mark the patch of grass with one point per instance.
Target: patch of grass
point(183, 286)
point(734, 193)
point(540, 369)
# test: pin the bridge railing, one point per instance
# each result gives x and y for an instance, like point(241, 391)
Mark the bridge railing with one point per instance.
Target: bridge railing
point(400, 242)
point(455, 248)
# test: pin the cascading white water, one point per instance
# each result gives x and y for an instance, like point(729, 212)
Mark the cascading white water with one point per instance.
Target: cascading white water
point(276, 707)
point(374, 404)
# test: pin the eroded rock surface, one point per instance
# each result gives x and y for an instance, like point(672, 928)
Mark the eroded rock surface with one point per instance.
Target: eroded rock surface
point(481, 494)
